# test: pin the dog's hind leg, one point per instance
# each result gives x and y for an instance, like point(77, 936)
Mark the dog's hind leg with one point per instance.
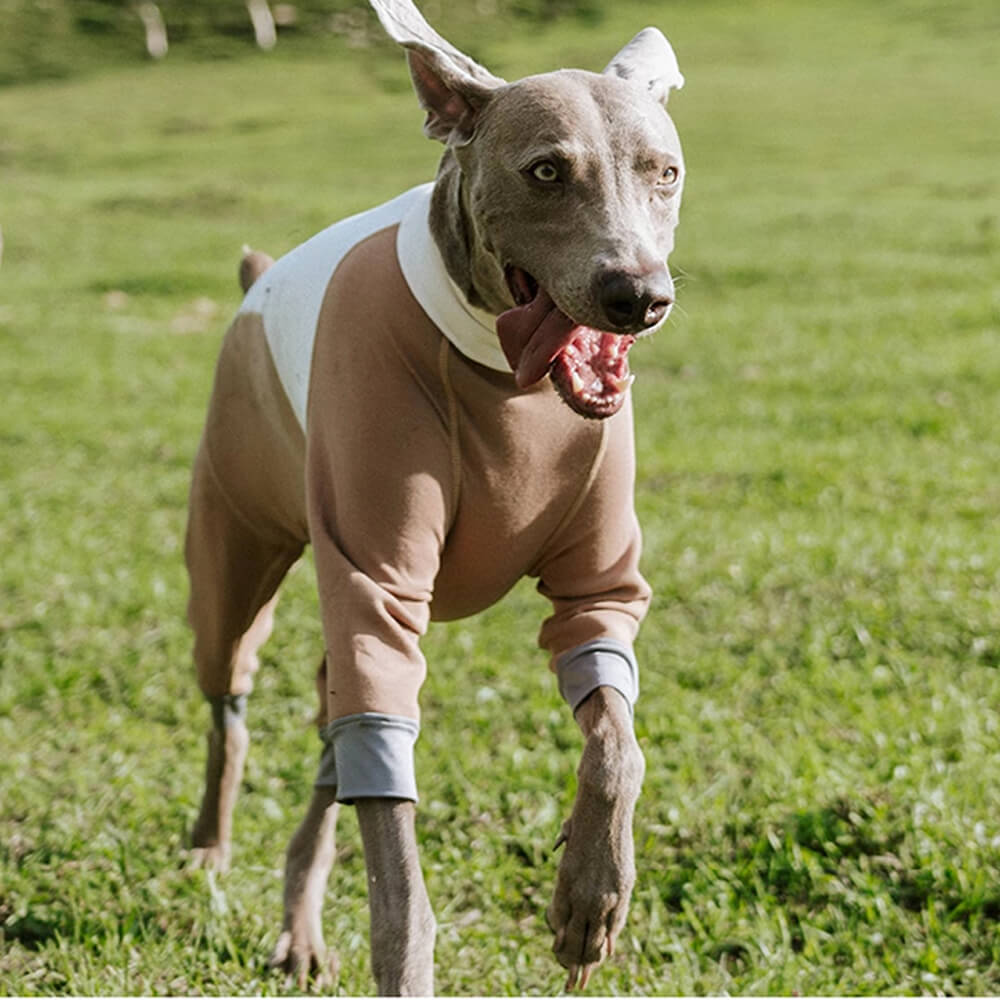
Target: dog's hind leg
point(234, 574)
point(300, 950)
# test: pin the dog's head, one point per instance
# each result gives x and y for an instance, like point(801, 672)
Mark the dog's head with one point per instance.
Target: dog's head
point(568, 185)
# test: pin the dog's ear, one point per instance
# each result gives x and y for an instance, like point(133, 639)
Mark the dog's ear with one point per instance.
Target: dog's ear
point(649, 60)
point(451, 87)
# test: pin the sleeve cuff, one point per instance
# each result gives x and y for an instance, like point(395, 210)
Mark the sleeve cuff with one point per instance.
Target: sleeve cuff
point(594, 664)
point(369, 756)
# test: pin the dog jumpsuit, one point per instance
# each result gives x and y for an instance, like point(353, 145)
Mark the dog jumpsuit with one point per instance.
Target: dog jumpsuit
point(363, 406)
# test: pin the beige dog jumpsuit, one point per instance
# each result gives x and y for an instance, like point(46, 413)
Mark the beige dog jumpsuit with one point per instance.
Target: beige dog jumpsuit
point(361, 405)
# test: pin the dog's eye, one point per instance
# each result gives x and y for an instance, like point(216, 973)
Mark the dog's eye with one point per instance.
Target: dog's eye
point(669, 176)
point(545, 171)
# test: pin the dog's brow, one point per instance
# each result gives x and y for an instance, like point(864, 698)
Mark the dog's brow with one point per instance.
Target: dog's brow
point(651, 159)
point(559, 150)
point(647, 162)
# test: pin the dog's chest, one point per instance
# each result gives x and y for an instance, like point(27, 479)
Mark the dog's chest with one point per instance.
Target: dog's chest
point(447, 480)
point(525, 463)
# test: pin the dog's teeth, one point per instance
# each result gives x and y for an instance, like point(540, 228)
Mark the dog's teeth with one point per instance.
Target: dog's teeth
point(621, 382)
point(578, 384)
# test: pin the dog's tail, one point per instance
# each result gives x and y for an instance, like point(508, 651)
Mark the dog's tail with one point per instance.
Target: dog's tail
point(252, 265)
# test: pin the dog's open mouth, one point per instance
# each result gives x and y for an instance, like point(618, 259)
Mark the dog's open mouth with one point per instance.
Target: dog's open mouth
point(588, 367)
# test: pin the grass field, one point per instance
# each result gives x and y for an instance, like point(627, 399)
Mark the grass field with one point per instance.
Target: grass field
point(818, 451)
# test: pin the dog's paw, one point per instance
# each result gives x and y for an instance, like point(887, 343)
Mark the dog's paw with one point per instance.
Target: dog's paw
point(305, 960)
point(597, 870)
point(215, 858)
point(588, 910)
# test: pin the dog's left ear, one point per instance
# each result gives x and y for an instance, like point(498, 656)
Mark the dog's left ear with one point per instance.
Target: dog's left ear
point(649, 60)
point(451, 87)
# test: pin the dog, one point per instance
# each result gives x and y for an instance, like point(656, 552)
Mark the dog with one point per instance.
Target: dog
point(435, 395)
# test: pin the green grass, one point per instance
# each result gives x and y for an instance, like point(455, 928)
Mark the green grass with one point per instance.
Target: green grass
point(818, 450)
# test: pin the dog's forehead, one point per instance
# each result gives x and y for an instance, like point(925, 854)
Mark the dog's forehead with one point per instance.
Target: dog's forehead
point(573, 105)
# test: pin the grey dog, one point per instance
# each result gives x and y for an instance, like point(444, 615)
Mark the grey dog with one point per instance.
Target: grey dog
point(435, 395)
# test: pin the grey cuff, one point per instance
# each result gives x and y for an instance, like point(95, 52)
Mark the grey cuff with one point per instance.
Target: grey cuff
point(594, 664)
point(227, 709)
point(369, 756)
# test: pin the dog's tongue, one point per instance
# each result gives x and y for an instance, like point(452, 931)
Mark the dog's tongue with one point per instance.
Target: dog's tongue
point(532, 336)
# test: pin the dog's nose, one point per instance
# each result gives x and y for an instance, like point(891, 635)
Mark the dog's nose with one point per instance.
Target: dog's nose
point(633, 302)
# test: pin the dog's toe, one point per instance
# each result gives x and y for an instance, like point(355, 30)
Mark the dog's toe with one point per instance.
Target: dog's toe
point(304, 963)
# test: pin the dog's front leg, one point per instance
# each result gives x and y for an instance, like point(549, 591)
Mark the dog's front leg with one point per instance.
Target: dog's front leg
point(300, 949)
point(402, 924)
point(597, 871)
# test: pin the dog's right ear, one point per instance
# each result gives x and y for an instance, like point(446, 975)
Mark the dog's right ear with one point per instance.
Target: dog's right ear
point(451, 87)
point(649, 60)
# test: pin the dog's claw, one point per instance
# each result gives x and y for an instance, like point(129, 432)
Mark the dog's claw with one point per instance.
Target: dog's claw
point(579, 976)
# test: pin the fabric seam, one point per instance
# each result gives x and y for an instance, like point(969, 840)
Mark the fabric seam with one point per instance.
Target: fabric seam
point(444, 370)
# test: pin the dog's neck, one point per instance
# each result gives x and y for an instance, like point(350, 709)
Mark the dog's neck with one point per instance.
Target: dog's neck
point(452, 224)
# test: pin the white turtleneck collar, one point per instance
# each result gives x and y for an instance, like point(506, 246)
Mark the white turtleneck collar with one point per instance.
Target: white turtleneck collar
point(472, 331)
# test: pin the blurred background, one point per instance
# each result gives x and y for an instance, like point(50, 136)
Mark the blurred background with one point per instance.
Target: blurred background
point(45, 39)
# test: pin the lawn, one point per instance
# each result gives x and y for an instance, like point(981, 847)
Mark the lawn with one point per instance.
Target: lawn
point(818, 453)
